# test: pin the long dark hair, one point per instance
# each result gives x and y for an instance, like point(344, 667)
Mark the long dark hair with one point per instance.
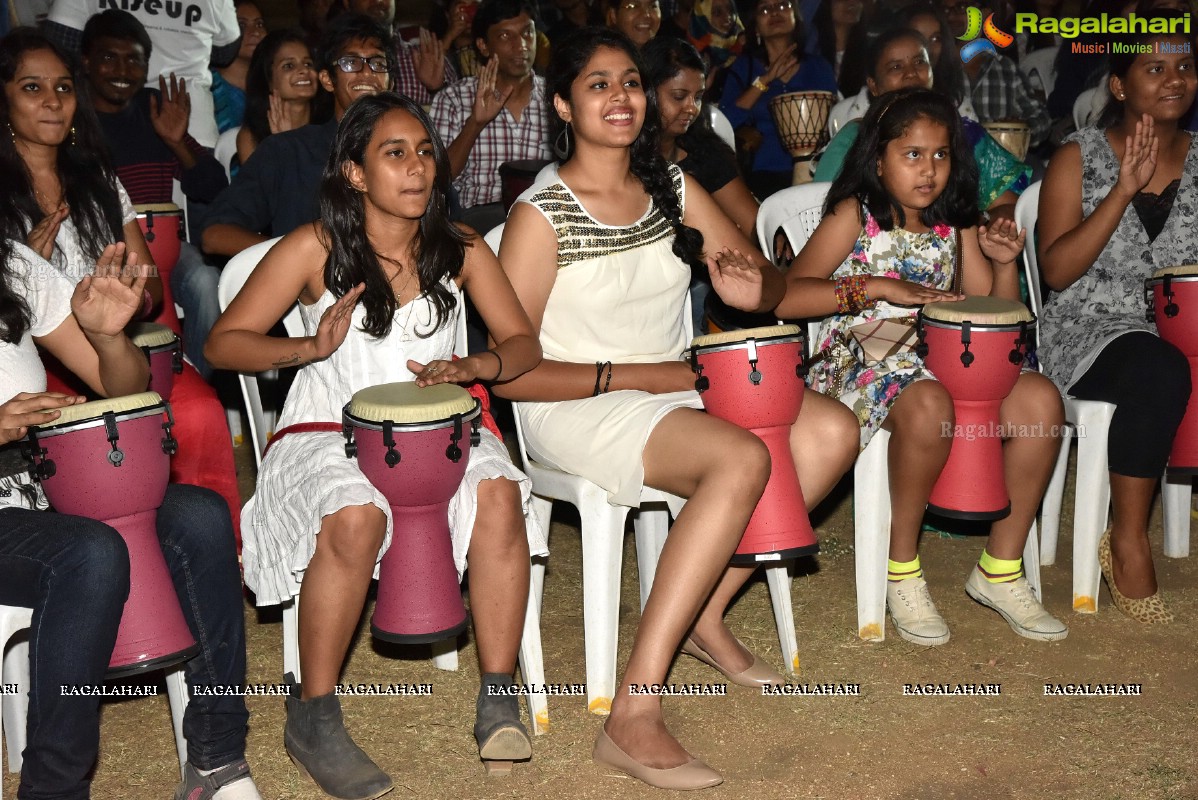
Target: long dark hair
point(851, 77)
point(439, 248)
point(948, 73)
point(647, 165)
point(886, 120)
point(665, 58)
point(261, 74)
point(88, 183)
point(1120, 63)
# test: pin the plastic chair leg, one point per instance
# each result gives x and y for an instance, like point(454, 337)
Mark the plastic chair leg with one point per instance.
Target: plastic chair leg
point(176, 693)
point(445, 654)
point(778, 578)
point(532, 664)
point(1176, 492)
point(602, 550)
point(1091, 505)
point(1031, 561)
point(16, 706)
point(652, 525)
point(1054, 495)
point(291, 659)
point(871, 520)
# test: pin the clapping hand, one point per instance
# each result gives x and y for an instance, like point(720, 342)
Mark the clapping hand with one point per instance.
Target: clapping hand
point(170, 112)
point(736, 279)
point(488, 100)
point(335, 322)
point(41, 238)
point(105, 301)
point(1001, 241)
point(1139, 157)
point(429, 60)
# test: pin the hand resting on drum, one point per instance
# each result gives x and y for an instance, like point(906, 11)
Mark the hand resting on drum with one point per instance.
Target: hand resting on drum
point(32, 408)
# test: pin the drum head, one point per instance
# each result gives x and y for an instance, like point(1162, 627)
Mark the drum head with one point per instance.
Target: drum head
point(733, 337)
point(1184, 270)
point(979, 311)
point(128, 405)
point(406, 403)
point(150, 334)
point(157, 208)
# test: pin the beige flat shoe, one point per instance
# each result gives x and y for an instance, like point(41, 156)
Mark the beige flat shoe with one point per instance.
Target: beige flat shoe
point(694, 774)
point(757, 675)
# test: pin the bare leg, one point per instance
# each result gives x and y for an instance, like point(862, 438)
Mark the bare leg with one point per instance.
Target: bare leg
point(1034, 414)
point(918, 449)
point(723, 480)
point(334, 591)
point(1131, 499)
point(823, 443)
point(498, 559)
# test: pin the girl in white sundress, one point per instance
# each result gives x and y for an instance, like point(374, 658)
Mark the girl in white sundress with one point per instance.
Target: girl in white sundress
point(378, 280)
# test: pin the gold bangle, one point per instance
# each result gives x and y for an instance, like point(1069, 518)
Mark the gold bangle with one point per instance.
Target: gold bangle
point(760, 85)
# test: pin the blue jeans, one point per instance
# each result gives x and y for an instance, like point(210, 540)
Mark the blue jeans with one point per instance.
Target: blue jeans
point(74, 573)
point(193, 284)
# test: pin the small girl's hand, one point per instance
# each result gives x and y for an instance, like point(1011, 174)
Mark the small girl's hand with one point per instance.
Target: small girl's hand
point(334, 323)
point(905, 293)
point(1001, 241)
point(736, 279)
point(463, 370)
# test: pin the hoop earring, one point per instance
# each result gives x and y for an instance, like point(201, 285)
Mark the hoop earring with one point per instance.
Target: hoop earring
point(561, 145)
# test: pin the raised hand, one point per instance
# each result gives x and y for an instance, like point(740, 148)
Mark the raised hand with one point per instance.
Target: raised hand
point(905, 293)
point(41, 238)
point(1001, 241)
point(463, 370)
point(335, 322)
point(32, 408)
point(488, 100)
point(105, 301)
point(170, 112)
point(1139, 157)
point(276, 115)
point(429, 61)
point(736, 279)
point(459, 21)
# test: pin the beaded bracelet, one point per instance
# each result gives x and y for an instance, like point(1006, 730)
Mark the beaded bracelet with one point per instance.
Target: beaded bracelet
point(599, 367)
point(607, 383)
point(851, 295)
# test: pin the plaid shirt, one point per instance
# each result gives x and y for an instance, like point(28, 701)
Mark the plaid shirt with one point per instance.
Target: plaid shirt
point(504, 139)
point(1001, 92)
point(406, 82)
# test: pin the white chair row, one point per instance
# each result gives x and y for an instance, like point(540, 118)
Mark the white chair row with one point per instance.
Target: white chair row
point(1090, 421)
point(1040, 68)
point(797, 212)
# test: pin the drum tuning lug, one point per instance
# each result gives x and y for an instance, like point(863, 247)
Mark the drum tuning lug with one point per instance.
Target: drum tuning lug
point(966, 359)
point(45, 469)
point(801, 370)
point(1015, 357)
point(392, 458)
point(476, 436)
point(1171, 309)
point(453, 453)
point(170, 445)
point(351, 449)
point(921, 349)
point(177, 362)
point(116, 457)
point(702, 384)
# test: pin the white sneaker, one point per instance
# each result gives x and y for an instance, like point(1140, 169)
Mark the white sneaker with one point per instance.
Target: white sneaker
point(915, 616)
point(230, 782)
point(1018, 606)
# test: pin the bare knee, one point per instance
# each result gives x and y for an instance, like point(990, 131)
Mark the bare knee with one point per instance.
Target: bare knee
point(924, 411)
point(500, 515)
point(746, 463)
point(835, 431)
point(1036, 400)
point(353, 534)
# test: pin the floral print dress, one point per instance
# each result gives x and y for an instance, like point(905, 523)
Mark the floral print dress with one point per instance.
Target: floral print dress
point(869, 390)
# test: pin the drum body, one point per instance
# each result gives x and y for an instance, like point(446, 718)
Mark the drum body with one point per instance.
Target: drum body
point(110, 460)
point(165, 352)
point(162, 225)
point(1173, 305)
point(1015, 136)
point(414, 445)
point(802, 122)
point(516, 176)
point(754, 378)
point(976, 348)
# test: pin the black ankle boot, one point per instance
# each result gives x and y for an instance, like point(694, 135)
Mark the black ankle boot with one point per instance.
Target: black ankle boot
point(316, 740)
point(501, 736)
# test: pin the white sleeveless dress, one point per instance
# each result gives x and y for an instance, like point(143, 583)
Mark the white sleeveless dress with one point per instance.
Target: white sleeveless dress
point(306, 476)
point(620, 295)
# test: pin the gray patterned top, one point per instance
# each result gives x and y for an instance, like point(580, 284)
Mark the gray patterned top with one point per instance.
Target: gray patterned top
point(1108, 300)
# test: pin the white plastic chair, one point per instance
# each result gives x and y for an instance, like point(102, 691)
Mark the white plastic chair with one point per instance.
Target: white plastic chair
point(1039, 67)
point(797, 211)
point(14, 670)
point(226, 149)
point(845, 110)
point(602, 528)
point(721, 125)
point(1090, 422)
point(1089, 105)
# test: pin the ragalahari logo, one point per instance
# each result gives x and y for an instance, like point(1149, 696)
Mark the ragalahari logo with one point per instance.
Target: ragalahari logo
point(974, 28)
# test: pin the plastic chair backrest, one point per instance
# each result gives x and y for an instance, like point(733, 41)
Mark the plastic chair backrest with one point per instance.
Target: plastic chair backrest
point(1089, 105)
point(797, 210)
point(721, 126)
point(841, 113)
point(1039, 65)
point(1026, 212)
point(226, 149)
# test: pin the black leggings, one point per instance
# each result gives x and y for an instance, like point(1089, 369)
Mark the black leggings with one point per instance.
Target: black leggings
point(1148, 380)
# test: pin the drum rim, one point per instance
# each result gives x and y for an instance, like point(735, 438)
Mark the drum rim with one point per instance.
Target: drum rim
point(175, 344)
point(700, 349)
point(997, 327)
point(1158, 281)
point(348, 418)
point(59, 429)
point(169, 209)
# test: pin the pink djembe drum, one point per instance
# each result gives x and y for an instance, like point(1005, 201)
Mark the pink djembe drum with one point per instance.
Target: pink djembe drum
point(414, 445)
point(754, 378)
point(109, 460)
point(165, 352)
point(976, 348)
point(1173, 306)
point(802, 122)
point(162, 226)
